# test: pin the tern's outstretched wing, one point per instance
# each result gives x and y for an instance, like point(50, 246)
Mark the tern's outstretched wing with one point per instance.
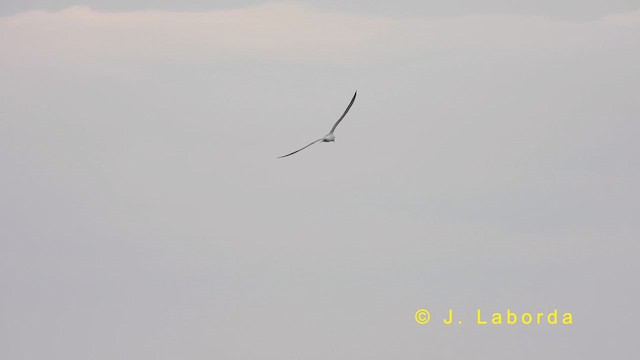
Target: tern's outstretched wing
point(345, 113)
point(300, 149)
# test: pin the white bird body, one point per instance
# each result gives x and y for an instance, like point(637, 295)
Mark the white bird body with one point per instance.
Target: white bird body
point(329, 137)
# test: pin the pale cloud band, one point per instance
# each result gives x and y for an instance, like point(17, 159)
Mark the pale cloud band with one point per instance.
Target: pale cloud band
point(278, 32)
point(285, 33)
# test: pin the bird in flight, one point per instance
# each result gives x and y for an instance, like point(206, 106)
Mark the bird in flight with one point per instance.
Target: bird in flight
point(329, 137)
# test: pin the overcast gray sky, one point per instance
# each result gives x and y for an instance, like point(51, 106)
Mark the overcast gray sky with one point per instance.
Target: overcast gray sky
point(490, 161)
